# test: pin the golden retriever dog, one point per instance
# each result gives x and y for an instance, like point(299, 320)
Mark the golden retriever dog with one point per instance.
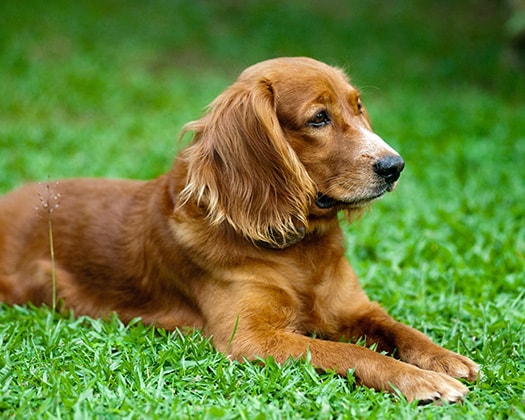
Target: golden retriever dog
point(241, 238)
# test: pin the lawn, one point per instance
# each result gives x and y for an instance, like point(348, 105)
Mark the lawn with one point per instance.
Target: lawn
point(102, 88)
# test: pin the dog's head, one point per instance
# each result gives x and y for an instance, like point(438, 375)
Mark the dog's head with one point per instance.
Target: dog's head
point(288, 141)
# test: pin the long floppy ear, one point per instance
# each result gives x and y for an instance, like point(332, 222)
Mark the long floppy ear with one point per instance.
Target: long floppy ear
point(242, 170)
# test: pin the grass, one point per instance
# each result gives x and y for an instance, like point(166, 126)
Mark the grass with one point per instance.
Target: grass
point(102, 88)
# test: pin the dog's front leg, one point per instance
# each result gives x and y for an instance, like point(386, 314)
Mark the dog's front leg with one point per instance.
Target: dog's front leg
point(407, 343)
point(371, 369)
point(263, 323)
point(353, 316)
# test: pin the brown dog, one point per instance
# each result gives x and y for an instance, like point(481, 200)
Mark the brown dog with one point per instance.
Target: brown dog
point(241, 238)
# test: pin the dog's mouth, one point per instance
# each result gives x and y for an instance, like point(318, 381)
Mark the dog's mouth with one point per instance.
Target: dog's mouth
point(324, 201)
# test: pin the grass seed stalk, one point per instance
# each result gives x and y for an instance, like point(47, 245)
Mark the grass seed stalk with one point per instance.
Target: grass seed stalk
point(49, 202)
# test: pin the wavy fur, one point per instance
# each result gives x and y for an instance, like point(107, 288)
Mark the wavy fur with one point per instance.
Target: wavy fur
point(240, 143)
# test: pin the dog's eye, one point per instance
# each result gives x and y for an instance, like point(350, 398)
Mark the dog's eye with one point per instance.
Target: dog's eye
point(359, 106)
point(320, 119)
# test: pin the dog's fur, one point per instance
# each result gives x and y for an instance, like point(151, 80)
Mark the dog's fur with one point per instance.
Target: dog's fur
point(241, 238)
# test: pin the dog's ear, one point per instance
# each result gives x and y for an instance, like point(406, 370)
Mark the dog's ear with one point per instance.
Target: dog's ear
point(242, 170)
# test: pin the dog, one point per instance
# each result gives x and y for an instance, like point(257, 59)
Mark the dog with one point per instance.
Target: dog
point(241, 238)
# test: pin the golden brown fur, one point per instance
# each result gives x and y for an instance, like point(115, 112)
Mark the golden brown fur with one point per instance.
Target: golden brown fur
point(241, 238)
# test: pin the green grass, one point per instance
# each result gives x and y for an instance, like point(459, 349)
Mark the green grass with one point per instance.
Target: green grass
point(102, 88)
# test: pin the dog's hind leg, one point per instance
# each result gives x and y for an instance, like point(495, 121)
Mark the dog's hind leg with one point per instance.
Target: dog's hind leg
point(33, 283)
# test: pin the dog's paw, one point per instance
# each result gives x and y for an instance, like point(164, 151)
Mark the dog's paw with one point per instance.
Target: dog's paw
point(452, 364)
point(428, 387)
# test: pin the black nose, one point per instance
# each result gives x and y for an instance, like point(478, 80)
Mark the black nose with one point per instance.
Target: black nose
point(389, 168)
